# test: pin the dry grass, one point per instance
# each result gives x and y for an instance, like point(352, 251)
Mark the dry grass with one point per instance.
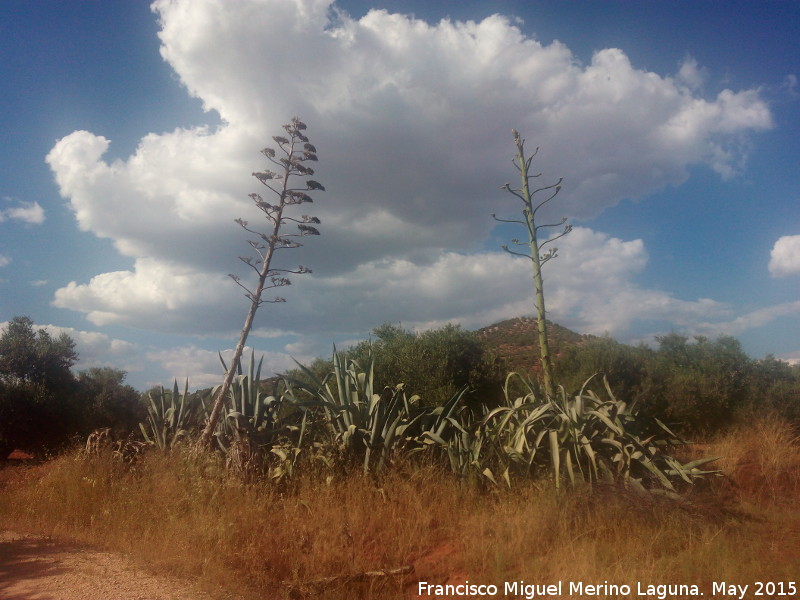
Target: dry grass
point(185, 515)
point(762, 457)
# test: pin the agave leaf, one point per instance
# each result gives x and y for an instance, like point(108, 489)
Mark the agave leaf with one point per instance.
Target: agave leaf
point(144, 434)
point(567, 459)
point(535, 415)
point(430, 437)
point(554, 456)
point(668, 430)
point(507, 477)
point(700, 461)
point(648, 464)
point(612, 426)
point(487, 472)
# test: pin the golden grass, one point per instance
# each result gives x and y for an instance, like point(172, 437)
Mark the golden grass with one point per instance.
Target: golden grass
point(184, 515)
point(762, 457)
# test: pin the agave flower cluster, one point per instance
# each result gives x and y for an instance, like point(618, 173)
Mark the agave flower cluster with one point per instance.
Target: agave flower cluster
point(293, 152)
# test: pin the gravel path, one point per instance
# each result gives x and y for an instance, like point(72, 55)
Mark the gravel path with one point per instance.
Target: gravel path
point(39, 568)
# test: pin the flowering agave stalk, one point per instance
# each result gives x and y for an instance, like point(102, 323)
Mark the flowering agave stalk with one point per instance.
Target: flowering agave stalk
point(527, 195)
point(294, 150)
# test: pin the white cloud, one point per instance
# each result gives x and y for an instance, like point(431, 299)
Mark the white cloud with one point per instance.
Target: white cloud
point(157, 295)
point(590, 287)
point(792, 358)
point(594, 289)
point(790, 85)
point(38, 282)
point(412, 122)
point(785, 256)
point(4, 261)
point(750, 320)
point(204, 369)
point(27, 212)
point(692, 74)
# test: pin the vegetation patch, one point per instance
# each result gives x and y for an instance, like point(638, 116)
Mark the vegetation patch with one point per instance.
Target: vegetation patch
point(416, 456)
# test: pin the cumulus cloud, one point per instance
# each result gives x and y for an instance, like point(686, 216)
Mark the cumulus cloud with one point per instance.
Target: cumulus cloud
point(594, 287)
point(785, 256)
point(412, 121)
point(792, 358)
point(750, 320)
point(156, 295)
point(27, 212)
point(692, 74)
point(591, 287)
point(204, 369)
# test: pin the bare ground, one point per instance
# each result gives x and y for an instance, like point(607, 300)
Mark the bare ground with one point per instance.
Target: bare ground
point(35, 567)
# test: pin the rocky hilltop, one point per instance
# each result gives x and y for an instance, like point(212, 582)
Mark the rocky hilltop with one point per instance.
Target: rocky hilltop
point(517, 342)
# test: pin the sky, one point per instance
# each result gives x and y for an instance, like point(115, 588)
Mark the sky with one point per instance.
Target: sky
point(130, 132)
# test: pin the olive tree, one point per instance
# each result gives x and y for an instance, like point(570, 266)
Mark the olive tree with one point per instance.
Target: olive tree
point(38, 404)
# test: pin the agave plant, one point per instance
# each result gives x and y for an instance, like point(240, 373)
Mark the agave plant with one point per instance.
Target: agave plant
point(360, 420)
point(244, 407)
point(609, 440)
point(256, 424)
point(584, 438)
point(464, 446)
point(516, 430)
point(170, 417)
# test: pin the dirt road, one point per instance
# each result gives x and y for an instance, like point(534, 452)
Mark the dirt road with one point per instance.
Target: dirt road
point(38, 568)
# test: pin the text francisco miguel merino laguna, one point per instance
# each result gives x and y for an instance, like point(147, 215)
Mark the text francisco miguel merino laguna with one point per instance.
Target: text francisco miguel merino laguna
point(577, 589)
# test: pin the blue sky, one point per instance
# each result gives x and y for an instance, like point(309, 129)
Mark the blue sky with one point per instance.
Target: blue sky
point(129, 135)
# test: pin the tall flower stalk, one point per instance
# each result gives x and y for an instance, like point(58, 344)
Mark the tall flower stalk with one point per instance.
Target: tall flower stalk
point(294, 150)
point(528, 195)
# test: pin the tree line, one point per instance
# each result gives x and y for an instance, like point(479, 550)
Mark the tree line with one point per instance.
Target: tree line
point(696, 385)
point(44, 405)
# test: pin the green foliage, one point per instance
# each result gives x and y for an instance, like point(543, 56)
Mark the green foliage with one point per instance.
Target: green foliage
point(106, 401)
point(361, 423)
point(697, 386)
point(33, 418)
point(627, 367)
point(42, 404)
point(170, 417)
point(434, 364)
point(774, 386)
point(36, 357)
point(578, 438)
point(38, 406)
point(268, 429)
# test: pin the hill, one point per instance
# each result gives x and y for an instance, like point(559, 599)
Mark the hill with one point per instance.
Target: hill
point(517, 342)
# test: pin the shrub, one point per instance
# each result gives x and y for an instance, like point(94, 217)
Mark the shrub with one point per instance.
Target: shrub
point(697, 387)
point(700, 385)
point(33, 418)
point(434, 364)
point(106, 401)
point(626, 367)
